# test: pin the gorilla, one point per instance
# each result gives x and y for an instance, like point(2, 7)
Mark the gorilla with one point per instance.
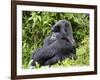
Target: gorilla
point(58, 46)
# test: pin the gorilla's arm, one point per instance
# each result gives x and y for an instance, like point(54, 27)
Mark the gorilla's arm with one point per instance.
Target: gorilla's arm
point(52, 52)
point(59, 57)
point(56, 58)
point(52, 60)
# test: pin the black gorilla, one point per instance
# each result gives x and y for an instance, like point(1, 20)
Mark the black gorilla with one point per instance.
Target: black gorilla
point(59, 45)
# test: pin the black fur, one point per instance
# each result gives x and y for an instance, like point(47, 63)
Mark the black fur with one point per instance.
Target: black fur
point(59, 45)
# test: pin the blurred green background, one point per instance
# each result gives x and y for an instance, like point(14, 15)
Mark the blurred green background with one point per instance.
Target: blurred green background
point(36, 26)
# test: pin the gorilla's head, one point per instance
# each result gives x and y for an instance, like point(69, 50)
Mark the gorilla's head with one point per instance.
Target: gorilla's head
point(62, 29)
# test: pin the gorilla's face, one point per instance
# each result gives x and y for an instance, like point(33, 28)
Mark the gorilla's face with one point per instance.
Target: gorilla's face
point(61, 30)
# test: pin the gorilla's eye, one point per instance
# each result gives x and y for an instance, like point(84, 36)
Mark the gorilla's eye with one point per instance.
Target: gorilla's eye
point(57, 29)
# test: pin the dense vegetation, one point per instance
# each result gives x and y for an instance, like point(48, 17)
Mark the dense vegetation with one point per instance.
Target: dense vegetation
point(36, 26)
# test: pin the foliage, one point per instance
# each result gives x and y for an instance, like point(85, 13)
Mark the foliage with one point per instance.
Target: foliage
point(36, 26)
